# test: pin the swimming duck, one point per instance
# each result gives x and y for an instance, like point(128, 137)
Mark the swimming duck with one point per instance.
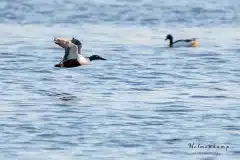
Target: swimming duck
point(79, 62)
point(182, 43)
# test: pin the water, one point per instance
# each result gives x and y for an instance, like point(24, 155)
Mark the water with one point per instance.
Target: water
point(145, 102)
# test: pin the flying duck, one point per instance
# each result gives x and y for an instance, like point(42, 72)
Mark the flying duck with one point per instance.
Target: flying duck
point(73, 56)
point(181, 43)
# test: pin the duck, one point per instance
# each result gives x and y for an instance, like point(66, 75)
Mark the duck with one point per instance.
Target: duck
point(73, 56)
point(182, 42)
point(80, 62)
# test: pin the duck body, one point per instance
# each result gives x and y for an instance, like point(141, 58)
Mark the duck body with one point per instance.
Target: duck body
point(78, 62)
point(181, 43)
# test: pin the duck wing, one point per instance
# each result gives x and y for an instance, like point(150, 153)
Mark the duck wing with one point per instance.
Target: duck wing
point(183, 43)
point(185, 40)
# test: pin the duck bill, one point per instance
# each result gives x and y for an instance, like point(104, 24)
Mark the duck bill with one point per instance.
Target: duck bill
point(102, 58)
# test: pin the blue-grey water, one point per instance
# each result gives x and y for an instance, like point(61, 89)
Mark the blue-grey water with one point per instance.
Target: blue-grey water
point(146, 102)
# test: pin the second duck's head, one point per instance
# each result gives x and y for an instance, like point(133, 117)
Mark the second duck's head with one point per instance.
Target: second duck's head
point(96, 57)
point(170, 37)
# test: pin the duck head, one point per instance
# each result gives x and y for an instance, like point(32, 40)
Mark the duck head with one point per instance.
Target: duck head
point(96, 57)
point(170, 37)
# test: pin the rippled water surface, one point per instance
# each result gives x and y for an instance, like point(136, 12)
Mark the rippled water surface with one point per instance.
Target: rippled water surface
point(146, 102)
